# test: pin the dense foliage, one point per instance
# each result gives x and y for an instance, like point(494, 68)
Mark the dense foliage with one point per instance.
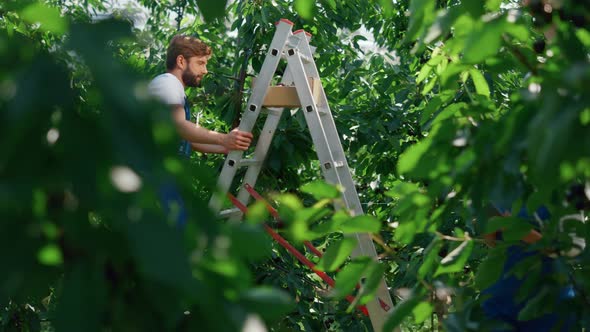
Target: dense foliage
point(450, 109)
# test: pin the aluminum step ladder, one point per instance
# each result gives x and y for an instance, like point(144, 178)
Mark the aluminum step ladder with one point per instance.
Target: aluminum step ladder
point(302, 73)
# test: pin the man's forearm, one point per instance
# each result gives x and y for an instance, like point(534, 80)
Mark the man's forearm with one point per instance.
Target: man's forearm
point(208, 148)
point(188, 131)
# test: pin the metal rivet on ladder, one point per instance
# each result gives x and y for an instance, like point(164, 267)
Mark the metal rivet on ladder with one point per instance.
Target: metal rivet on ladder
point(252, 108)
point(291, 51)
point(231, 162)
point(274, 52)
point(328, 165)
point(309, 108)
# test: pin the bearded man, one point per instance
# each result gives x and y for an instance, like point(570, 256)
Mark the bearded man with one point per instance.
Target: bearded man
point(186, 64)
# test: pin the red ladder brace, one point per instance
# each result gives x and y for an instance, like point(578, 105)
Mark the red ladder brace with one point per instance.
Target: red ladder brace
point(308, 244)
point(296, 253)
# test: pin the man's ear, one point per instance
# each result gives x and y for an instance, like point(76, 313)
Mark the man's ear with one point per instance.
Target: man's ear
point(180, 61)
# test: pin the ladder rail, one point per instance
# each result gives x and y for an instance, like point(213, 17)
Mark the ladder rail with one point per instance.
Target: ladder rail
point(263, 143)
point(334, 165)
point(266, 135)
point(269, 66)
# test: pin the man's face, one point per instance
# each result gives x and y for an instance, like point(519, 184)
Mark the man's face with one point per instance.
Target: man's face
point(195, 69)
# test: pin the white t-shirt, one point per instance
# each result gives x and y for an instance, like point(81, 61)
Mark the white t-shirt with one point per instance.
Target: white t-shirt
point(168, 89)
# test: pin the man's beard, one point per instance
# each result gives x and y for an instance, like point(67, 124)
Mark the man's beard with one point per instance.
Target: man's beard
point(191, 79)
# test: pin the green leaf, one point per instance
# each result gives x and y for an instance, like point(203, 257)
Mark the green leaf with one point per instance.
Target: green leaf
point(422, 311)
point(513, 228)
point(257, 213)
point(336, 254)
point(584, 36)
point(433, 106)
point(305, 8)
point(535, 306)
point(288, 205)
point(50, 255)
point(484, 41)
point(349, 276)
point(401, 311)
point(421, 13)
point(424, 72)
point(249, 241)
point(456, 259)
point(430, 257)
point(443, 23)
point(270, 303)
point(453, 110)
point(320, 190)
point(481, 85)
point(518, 31)
point(48, 18)
point(361, 224)
point(473, 7)
point(212, 10)
point(372, 279)
point(387, 7)
point(412, 156)
point(160, 253)
point(302, 219)
point(429, 85)
point(493, 5)
point(39, 203)
point(490, 270)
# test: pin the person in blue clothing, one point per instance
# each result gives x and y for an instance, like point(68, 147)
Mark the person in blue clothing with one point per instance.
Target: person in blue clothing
point(186, 65)
point(500, 303)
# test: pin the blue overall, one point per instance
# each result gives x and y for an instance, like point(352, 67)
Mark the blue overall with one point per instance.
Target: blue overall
point(170, 197)
point(501, 304)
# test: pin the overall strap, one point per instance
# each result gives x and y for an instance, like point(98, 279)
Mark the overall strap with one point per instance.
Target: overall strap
point(184, 148)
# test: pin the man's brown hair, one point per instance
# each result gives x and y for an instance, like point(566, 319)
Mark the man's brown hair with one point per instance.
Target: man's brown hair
point(186, 46)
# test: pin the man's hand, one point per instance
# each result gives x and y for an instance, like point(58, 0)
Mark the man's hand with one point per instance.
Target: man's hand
point(237, 140)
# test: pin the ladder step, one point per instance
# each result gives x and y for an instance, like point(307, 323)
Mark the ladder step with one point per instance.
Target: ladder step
point(243, 162)
point(271, 111)
point(230, 212)
point(249, 162)
point(304, 59)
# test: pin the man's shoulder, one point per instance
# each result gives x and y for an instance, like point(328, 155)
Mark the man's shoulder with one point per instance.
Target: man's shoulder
point(166, 78)
point(167, 88)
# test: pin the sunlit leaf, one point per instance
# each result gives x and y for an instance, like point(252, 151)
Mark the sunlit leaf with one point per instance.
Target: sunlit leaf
point(349, 276)
point(48, 18)
point(320, 189)
point(412, 156)
point(481, 86)
point(305, 8)
point(50, 255)
point(336, 254)
point(456, 259)
point(430, 257)
point(422, 311)
point(361, 224)
point(257, 213)
point(484, 41)
point(372, 278)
